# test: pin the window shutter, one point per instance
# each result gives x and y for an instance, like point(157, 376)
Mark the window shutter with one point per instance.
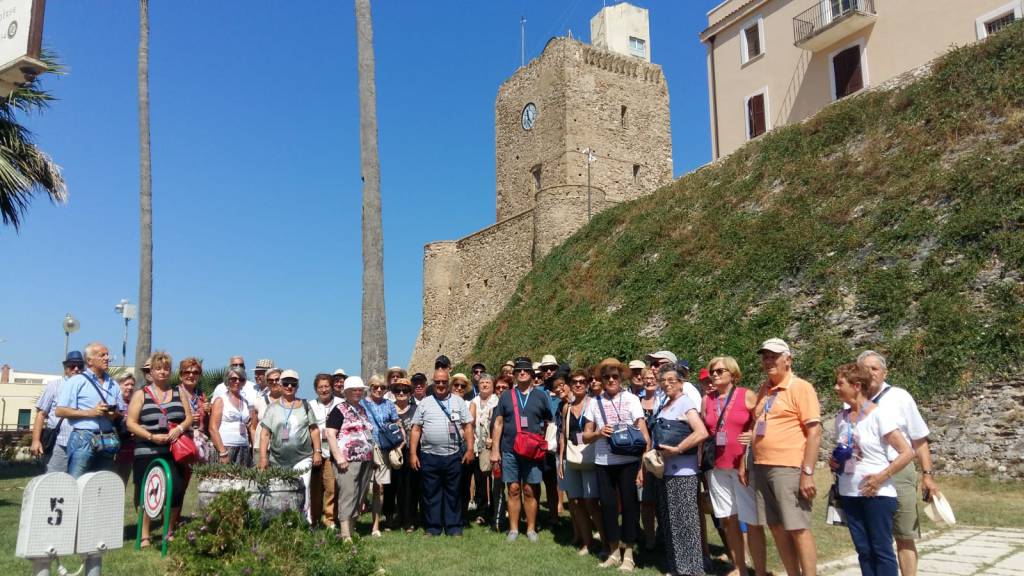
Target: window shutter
point(755, 115)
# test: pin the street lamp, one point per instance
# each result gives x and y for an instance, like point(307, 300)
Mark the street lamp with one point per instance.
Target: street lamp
point(590, 160)
point(127, 311)
point(70, 325)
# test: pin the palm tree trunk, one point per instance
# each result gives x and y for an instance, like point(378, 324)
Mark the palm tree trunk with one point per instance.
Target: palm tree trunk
point(374, 324)
point(144, 340)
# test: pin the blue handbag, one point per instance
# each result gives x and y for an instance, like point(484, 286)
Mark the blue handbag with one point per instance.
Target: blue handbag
point(626, 441)
point(389, 433)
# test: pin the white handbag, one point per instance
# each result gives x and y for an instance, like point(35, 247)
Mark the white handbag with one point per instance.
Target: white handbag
point(577, 456)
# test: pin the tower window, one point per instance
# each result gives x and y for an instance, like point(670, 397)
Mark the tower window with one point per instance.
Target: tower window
point(536, 171)
point(485, 282)
point(638, 47)
point(623, 117)
point(636, 173)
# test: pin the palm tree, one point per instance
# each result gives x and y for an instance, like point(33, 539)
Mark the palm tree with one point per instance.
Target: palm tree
point(374, 325)
point(143, 342)
point(25, 170)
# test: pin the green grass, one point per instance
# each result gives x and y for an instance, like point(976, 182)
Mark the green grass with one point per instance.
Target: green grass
point(891, 220)
point(976, 501)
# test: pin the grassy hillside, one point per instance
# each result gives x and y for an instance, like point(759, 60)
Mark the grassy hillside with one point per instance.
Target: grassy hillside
point(891, 220)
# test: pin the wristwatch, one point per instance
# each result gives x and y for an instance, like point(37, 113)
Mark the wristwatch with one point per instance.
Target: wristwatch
point(926, 472)
point(808, 470)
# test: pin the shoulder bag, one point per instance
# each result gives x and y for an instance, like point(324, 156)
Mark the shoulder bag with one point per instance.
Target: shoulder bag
point(577, 456)
point(626, 441)
point(184, 448)
point(667, 432)
point(709, 450)
point(389, 433)
point(107, 442)
point(528, 445)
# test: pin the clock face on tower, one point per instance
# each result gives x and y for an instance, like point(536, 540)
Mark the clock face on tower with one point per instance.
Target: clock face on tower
point(529, 115)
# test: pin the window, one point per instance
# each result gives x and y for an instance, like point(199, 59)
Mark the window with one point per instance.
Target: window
point(1000, 18)
point(536, 177)
point(752, 39)
point(637, 47)
point(24, 418)
point(757, 114)
point(847, 74)
point(636, 173)
point(622, 117)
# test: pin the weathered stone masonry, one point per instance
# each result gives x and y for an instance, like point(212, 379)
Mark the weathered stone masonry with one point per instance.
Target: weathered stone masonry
point(586, 97)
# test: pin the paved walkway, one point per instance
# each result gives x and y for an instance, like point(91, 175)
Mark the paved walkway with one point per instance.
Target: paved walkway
point(961, 551)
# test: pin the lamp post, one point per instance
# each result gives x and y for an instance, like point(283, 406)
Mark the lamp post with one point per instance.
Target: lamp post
point(127, 311)
point(70, 325)
point(590, 160)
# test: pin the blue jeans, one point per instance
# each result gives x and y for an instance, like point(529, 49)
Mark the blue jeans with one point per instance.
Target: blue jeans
point(870, 524)
point(84, 457)
point(440, 489)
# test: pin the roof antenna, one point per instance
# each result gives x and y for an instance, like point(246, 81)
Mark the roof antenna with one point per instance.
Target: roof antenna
point(522, 41)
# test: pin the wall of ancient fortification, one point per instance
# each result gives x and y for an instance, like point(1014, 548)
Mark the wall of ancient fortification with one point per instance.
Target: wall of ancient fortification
point(586, 97)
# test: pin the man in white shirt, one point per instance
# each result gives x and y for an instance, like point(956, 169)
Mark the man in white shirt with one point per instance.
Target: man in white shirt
point(662, 357)
point(249, 391)
point(906, 524)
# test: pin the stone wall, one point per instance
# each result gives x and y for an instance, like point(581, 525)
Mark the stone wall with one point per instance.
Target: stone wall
point(586, 97)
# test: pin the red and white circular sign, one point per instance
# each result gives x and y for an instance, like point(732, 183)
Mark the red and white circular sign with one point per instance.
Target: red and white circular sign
point(155, 491)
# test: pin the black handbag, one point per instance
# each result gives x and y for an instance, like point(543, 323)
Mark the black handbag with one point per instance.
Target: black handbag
point(709, 449)
point(671, 433)
point(49, 437)
point(627, 441)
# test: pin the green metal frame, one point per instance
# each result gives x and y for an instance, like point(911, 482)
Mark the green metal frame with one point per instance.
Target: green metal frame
point(167, 505)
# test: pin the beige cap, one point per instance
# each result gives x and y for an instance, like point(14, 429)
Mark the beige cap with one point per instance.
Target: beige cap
point(340, 372)
point(549, 360)
point(285, 374)
point(637, 365)
point(353, 383)
point(777, 345)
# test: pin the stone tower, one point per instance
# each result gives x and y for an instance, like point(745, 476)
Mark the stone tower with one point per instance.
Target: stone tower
point(574, 97)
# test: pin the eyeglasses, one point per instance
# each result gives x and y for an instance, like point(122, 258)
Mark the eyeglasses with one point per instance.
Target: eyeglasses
point(460, 386)
point(612, 377)
point(273, 380)
point(238, 365)
point(378, 387)
point(718, 371)
point(402, 391)
point(191, 373)
point(234, 379)
point(290, 383)
point(440, 382)
point(580, 381)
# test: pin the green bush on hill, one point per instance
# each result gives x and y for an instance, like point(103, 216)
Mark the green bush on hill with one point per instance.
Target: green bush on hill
point(891, 220)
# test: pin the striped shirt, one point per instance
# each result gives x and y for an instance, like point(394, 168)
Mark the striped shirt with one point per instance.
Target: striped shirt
point(436, 438)
point(150, 416)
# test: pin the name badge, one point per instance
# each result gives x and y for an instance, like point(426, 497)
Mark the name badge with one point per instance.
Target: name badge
point(849, 467)
point(455, 417)
point(760, 428)
point(286, 432)
point(721, 438)
point(451, 428)
point(161, 421)
point(523, 422)
point(243, 430)
point(579, 437)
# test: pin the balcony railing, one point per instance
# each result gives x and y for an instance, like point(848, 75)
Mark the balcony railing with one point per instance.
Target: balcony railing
point(827, 14)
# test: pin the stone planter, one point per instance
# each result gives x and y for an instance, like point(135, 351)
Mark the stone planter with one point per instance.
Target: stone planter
point(272, 499)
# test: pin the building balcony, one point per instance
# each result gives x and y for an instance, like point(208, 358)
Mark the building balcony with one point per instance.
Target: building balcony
point(829, 21)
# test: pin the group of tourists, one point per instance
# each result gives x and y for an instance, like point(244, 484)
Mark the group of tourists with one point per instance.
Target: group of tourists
point(630, 449)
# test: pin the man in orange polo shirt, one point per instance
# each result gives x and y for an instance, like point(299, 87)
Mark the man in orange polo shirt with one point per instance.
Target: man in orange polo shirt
point(787, 433)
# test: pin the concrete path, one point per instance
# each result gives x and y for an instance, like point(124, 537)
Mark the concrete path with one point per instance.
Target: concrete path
point(960, 551)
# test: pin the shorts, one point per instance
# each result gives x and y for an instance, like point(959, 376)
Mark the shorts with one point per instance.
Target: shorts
point(906, 523)
point(777, 490)
point(729, 497)
point(578, 483)
point(516, 470)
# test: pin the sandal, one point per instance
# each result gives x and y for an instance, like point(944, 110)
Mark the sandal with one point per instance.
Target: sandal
point(145, 543)
point(169, 537)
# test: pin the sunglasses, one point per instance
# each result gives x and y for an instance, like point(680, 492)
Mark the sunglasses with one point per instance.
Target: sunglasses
point(238, 365)
point(378, 387)
point(191, 373)
point(518, 370)
point(718, 371)
point(440, 382)
point(273, 380)
point(234, 379)
point(612, 377)
point(460, 386)
point(478, 371)
point(580, 381)
point(402, 391)
point(547, 369)
point(289, 383)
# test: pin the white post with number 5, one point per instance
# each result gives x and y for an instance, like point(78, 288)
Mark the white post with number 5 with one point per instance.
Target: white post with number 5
point(61, 516)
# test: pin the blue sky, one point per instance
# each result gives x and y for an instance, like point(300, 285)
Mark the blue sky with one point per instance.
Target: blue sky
point(256, 189)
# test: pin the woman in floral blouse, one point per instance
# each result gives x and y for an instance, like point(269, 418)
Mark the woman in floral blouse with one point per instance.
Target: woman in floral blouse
point(350, 435)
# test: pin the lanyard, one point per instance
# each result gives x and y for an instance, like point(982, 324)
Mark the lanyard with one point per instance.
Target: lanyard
point(288, 418)
point(618, 418)
point(521, 399)
point(768, 405)
point(851, 423)
point(579, 421)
